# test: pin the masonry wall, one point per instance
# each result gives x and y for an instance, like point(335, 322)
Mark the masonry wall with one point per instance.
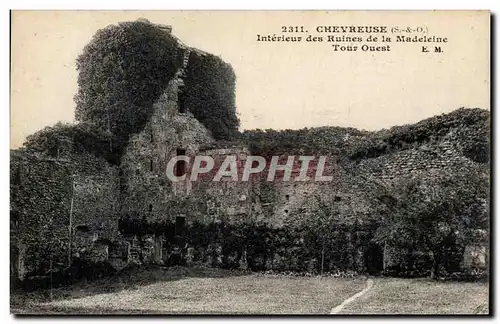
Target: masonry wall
point(40, 204)
point(258, 224)
point(147, 192)
point(50, 195)
point(415, 162)
point(96, 203)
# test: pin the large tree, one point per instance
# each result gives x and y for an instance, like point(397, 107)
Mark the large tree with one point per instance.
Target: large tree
point(428, 214)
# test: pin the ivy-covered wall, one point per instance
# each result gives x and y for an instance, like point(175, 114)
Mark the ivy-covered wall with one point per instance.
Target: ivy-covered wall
point(114, 179)
point(96, 202)
point(210, 94)
point(257, 247)
point(47, 195)
point(146, 190)
point(41, 192)
point(122, 72)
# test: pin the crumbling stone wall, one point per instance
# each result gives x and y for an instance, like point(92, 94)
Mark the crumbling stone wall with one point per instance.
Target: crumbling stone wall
point(147, 191)
point(96, 197)
point(40, 204)
point(413, 162)
point(49, 194)
point(475, 257)
point(444, 154)
point(225, 200)
point(256, 224)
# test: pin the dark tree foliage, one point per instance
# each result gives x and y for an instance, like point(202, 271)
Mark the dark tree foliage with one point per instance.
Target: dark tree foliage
point(434, 213)
point(63, 140)
point(122, 72)
point(210, 94)
point(296, 246)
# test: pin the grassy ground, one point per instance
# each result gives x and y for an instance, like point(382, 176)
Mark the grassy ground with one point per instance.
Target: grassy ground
point(421, 296)
point(215, 291)
point(187, 291)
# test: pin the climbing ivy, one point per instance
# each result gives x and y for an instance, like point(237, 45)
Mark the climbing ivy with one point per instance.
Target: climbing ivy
point(66, 140)
point(121, 73)
point(40, 198)
point(470, 126)
point(210, 94)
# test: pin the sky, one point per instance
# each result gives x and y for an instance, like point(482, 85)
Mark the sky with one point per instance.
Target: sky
point(279, 85)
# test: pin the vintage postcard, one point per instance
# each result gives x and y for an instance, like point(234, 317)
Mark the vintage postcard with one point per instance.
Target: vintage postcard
point(250, 162)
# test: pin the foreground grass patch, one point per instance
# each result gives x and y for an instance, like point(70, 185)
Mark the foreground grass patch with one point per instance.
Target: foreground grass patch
point(201, 290)
point(198, 292)
point(235, 295)
point(421, 296)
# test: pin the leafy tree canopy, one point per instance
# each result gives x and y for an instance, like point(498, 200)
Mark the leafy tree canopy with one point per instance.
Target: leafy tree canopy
point(422, 213)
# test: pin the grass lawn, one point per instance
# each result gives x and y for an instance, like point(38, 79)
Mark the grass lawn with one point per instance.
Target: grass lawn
point(201, 294)
point(421, 296)
point(214, 291)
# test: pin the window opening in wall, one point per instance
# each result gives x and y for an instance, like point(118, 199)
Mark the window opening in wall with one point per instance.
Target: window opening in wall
point(337, 198)
point(180, 167)
point(150, 208)
point(181, 100)
point(180, 223)
point(82, 228)
point(151, 165)
point(287, 197)
point(14, 218)
point(17, 176)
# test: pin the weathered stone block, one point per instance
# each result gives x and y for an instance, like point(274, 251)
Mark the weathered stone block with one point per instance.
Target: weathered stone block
point(474, 257)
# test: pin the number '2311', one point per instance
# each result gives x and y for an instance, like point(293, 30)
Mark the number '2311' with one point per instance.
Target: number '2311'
point(292, 29)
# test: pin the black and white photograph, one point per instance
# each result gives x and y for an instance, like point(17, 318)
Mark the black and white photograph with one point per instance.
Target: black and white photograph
point(250, 162)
